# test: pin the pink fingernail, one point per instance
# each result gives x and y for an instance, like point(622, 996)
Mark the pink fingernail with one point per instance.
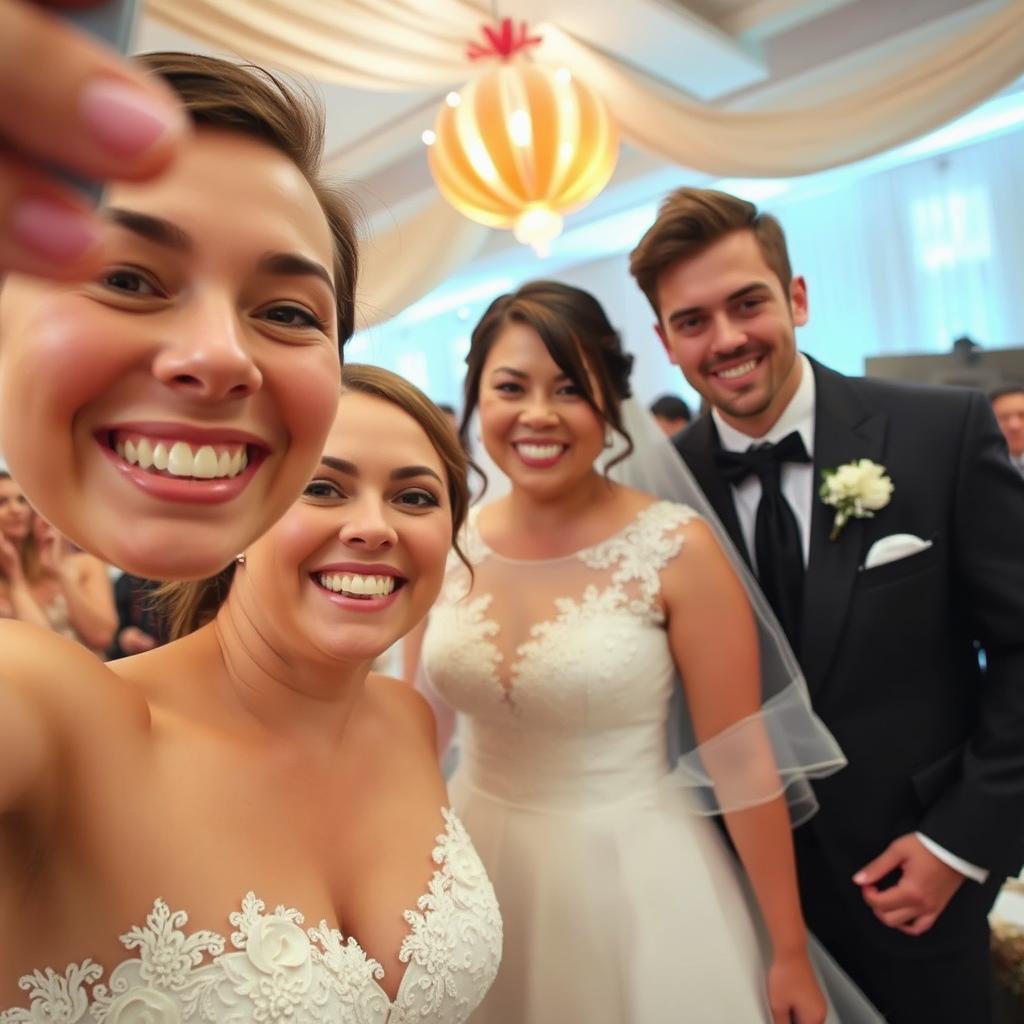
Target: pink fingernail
point(53, 231)
point(123, 118)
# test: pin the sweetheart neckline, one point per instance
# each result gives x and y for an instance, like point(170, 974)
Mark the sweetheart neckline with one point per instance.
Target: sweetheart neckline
point(322, 945)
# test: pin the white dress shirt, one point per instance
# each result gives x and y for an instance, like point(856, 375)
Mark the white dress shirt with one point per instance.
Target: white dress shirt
point(798, 489)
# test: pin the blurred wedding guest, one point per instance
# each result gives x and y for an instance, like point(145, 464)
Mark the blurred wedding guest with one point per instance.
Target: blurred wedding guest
point(449, 414)
point(73, 588)
point(1008, 406)
point(140, 626)
point(16, 598)
point(672, 414)
point(45, 581)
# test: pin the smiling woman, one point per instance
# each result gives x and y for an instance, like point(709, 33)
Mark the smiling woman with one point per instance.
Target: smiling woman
point(256, 762)
point(195, 377)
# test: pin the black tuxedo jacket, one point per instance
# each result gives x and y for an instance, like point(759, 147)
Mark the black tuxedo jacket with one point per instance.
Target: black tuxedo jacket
point(935, 742)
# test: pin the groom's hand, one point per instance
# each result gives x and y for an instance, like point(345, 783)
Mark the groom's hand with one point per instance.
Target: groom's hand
point(924, 887)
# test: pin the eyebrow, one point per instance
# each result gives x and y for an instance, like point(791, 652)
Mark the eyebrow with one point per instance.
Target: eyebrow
point(169, 235)
point(520, 375)
point(402, 473)
point(153, 229)
point(291, 264)
point(732, 297)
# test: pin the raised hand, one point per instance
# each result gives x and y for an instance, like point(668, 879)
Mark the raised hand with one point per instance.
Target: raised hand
point(133, 640)
point(68, 101)
point(925, 886)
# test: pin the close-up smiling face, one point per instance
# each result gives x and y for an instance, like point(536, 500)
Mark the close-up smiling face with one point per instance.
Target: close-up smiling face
point(535, 422)
point(729, 324)
point(359, 559)
point(165, 413)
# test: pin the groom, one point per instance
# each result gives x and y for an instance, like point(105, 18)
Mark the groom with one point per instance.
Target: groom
point(886, 613)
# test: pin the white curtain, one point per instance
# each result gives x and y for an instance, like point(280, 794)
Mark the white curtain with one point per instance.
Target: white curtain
point(412, 44)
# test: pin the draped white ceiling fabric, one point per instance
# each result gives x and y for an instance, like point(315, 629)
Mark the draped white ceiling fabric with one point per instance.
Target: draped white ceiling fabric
point(399, 265)
point(420, 44)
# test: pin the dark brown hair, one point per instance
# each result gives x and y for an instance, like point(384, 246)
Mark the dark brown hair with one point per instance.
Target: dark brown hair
point(189, 604)
point(575, 330)
point(248, 99)
point(691, 219)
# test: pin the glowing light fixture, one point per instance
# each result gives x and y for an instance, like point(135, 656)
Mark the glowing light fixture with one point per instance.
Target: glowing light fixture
point(521, 145)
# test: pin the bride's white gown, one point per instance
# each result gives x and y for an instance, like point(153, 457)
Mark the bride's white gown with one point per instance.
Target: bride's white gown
point(621, 904)
point(272, 966)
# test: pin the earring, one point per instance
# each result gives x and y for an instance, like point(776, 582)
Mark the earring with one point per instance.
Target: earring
point(240, 559)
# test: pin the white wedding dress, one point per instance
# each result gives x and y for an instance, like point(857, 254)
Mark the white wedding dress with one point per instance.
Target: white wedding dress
point(272, 970)
point(621, 903)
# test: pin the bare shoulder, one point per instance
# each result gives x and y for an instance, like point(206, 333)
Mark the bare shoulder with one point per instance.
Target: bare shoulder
point(403, 746)
point(65, 681)
point(402, 706)
point(701, 562)
point(58, 705)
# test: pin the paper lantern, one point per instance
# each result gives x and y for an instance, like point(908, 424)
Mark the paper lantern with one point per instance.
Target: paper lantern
point(522, 144)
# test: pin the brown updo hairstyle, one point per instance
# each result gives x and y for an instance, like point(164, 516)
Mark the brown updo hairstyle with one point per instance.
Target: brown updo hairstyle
point(250, 100)
point(189, 604)
point(576, 331)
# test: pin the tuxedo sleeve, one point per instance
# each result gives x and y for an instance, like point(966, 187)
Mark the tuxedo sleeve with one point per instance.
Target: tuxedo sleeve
point(981, 817)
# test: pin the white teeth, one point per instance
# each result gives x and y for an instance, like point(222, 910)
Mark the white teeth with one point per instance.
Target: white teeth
point(203, 463)
point(358, 585)
point(144, 454)
point(180, 460)
point(738, 371)
point(540, 451)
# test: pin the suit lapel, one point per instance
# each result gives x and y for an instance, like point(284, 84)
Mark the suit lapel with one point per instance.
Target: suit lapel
point(697, 445)
point(844, 430)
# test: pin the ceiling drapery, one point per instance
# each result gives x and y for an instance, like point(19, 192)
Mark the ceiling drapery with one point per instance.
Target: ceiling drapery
point(420, 44)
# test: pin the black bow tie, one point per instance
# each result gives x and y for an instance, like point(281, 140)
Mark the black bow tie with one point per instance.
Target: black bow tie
point(777, 546)
point(763, 460)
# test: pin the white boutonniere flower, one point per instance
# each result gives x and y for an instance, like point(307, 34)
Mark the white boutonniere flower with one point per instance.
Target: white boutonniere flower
point(856, 490)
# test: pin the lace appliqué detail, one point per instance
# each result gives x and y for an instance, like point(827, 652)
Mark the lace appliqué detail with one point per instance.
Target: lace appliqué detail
point(278, 972)
point(639, 553)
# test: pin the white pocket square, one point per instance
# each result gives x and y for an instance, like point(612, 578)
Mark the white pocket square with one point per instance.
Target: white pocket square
point(893, 548)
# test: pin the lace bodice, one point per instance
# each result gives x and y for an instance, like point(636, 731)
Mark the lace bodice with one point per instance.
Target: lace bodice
point(561, 667)
point(271, 969)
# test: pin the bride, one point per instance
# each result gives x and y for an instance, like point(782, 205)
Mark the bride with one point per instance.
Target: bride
point(246, 824)
point(620, 899)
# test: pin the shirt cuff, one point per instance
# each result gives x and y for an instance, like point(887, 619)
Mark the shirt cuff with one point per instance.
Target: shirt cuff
point(966, 868)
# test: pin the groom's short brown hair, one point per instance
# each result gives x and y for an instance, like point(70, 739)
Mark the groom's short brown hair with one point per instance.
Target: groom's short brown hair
point(691, 219)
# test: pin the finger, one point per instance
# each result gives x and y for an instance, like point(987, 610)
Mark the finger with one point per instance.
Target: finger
point(44, 229)
point(920, 925)
point(781, 1015)
point(890, 859)
point(888, 899)
point(68, 100)
point(898, 918)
